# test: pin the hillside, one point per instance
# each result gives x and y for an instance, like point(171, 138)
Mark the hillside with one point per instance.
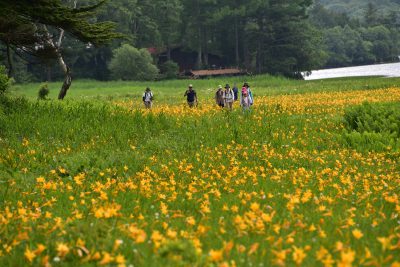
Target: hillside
point(356, 8)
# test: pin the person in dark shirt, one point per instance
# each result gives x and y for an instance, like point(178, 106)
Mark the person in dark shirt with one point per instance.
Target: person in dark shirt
point(219, 96)
point(235, 92)
point(191, 96)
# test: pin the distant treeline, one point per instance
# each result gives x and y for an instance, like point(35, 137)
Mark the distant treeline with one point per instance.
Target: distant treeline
point(373, 37)
point(261, 36)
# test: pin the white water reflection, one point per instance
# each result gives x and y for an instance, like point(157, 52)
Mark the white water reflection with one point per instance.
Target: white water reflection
point(387, 70)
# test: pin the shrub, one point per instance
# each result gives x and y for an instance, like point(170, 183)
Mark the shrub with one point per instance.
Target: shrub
point(43, 91)
point(130, 63)
point(4, 80)
point(169, 69)
point(372, 126)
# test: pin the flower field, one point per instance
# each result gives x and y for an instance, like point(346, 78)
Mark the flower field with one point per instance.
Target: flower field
point(99, 183)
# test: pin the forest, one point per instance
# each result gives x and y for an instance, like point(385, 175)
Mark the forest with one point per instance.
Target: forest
point(158, 39)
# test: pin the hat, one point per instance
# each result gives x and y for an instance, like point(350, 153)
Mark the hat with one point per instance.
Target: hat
point(227, 86)
point(219, 86)
point(190, 85)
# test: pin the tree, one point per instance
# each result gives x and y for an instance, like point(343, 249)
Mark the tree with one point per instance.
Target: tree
point(41, 20)
point(130, 63)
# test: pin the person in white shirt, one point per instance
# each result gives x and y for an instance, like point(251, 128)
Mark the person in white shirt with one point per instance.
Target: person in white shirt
point(228, 97)
point(148, 98)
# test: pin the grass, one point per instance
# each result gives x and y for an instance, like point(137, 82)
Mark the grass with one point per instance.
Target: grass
point(172, 90)
point(91, 181)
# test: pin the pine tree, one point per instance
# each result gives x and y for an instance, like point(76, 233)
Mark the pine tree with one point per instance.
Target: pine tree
point(39, 20)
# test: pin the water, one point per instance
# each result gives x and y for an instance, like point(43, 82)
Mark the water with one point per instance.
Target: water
point(386, 70)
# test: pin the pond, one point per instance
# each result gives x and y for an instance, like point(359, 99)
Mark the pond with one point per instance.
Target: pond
point(387, 70)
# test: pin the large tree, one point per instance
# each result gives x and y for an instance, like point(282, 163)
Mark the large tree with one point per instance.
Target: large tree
point(43, 25)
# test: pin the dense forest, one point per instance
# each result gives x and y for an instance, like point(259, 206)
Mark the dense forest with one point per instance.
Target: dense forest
point(356, 8)
point(160, 38)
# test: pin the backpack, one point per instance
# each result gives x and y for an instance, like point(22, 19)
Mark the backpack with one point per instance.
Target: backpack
point(146, 94)
point(244, 91)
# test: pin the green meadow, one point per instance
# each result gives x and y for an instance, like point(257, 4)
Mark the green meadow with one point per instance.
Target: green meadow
point(309, 177)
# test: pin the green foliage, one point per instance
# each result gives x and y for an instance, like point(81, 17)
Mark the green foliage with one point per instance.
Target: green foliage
point(169, 69)
point(76, 21)
point(130, 63)
point(43, 91)
point(358, 8)
point(179, 253)
point(373, 126)
point(4, 80)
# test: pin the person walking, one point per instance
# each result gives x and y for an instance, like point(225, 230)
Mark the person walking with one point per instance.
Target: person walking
point(228, 97)
point(191, 96)
point(148, 98)
point(250, 93)
point(219, 96)
point(235, 92)
point(246, 97)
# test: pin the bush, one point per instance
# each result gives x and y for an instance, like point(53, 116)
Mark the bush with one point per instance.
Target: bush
point(130, 63)
point(169, 69)
point(372, 126)
point(43, 91)
point(4, 80)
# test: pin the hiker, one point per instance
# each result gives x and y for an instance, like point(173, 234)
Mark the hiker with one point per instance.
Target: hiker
point(191, 96)
point(228, 97)
point(219, 96)
point(148, 98)
point(235, 92)
point(250, 93)
point(246, 98)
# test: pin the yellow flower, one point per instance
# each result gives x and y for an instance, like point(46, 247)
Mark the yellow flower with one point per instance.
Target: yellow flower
point(62, 249)
point(120, 259)
point(40, 248)
point(312, 228)
point(386, 242)
point(190, 220)
point(321, 253)
point(255, 206)
point(29, 255)
point(357, 233)
point(216, 255)
point(106, 259)
point(346, 258)
point(298, 255)
point(40, 179)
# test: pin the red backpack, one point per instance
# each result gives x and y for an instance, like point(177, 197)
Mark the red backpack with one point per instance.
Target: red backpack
point(244, 91)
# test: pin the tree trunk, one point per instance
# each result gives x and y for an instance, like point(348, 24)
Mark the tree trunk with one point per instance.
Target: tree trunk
point(246, 55)
point(67, 82)
point(199, 61)
point(205, 56)
point(236, 43)
point(258, 57)
point(168, 53)
point(9, 60)
point(67, 71)
point(48, 70)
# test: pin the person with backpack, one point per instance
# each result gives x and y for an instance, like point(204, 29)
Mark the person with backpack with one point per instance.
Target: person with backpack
point(228, 97)
point(191, 96)
point(250, 93)
point(148, 98)
point(246, 97)
point(219, 97)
